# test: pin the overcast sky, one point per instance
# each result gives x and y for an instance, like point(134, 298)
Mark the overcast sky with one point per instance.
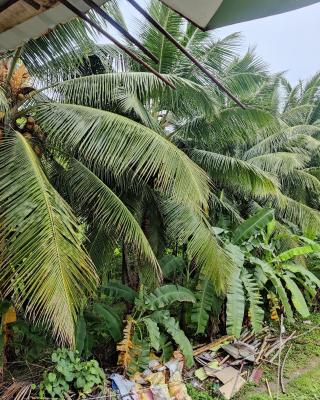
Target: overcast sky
point(288, 42)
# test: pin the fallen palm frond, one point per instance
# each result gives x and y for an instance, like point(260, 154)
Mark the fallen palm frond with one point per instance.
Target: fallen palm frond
point(126, 345)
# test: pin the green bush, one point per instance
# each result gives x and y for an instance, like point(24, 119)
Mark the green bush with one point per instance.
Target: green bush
point(69, 373)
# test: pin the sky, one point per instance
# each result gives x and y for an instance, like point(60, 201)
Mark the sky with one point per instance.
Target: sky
point(288, 42)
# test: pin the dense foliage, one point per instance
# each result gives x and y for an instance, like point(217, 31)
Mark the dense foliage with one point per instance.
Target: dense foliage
point(133, 216)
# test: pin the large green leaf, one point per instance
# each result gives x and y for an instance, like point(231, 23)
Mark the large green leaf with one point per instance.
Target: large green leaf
point(165, 295)
point(235, 305)
point(46, 265)
point(205, 296)
point(306, 274)
point(255, 300)
point(297, 297)
point(278, 287)
point(257, 221)
point(171, 265)
point(119, 291)
point(297, 251)
point(172, 327)
point(154, 333)
point(113, 323)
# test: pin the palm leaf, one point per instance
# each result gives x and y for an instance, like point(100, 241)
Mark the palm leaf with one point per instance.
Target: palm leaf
point(184, 225)
point(297, 297)
point(248, 227)
point(4, 104)
point(281, 163)
point(296, 212)
point(43, 251)
point(235, 305)
point(235, 172)
point(108, 210)
point(108, 140)
point(102, 89)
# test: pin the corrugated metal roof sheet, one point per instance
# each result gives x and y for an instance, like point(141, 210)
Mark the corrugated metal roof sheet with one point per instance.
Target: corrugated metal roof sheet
point(39, 24)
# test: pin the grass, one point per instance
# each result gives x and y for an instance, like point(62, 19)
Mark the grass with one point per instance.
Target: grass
point(305, 387)
point(304, 354)
point(302, 371)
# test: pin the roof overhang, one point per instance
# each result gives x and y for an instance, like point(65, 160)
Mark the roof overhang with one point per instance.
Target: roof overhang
point(210, 14)
point(27, 19)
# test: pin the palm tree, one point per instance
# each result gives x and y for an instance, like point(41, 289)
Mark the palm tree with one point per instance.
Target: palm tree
point(94, 147)
point(261, 155)
point(73, 164)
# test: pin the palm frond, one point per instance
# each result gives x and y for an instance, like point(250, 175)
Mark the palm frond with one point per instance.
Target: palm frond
point(102, 89)
point(4, 104)
point(298, 213)
point(160, 46)
point(225, 128)
point(298, 115)
point(110, 141)
point(235, 172)
point(184, 225)
point(280, 140)
point(46, 266)
point(109, 212)
point(281, 163)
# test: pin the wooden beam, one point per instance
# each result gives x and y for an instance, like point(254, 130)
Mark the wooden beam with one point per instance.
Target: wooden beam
point(121, 29)
point(7, 4)
point(83, 16)
point(10, 3)
point(185, 52)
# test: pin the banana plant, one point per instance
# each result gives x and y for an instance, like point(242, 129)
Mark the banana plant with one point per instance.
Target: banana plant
point(262, 270)
point(150, 327)
point(153, 325)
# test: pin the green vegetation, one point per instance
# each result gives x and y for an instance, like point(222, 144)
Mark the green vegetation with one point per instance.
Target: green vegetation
point(301, 369)
point(68, 371)
point(137, 219)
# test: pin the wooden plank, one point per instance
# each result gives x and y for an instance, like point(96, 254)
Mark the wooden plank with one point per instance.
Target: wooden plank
point(14, 12)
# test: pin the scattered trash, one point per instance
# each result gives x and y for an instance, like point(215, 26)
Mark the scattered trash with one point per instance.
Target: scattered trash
point(232, 387)
point(225, 365)
point(226, 361)
point(256, 375)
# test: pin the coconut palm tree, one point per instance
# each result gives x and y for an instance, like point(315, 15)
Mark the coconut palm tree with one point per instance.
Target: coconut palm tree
point(73, 164)
point(94, 147)
point(259, 155)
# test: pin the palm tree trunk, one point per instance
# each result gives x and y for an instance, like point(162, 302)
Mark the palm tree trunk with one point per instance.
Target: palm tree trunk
point(130, 273)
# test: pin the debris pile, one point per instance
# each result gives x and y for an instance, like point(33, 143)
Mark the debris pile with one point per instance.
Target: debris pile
point(227, 363)
point(231, 363)
point(158, 382)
